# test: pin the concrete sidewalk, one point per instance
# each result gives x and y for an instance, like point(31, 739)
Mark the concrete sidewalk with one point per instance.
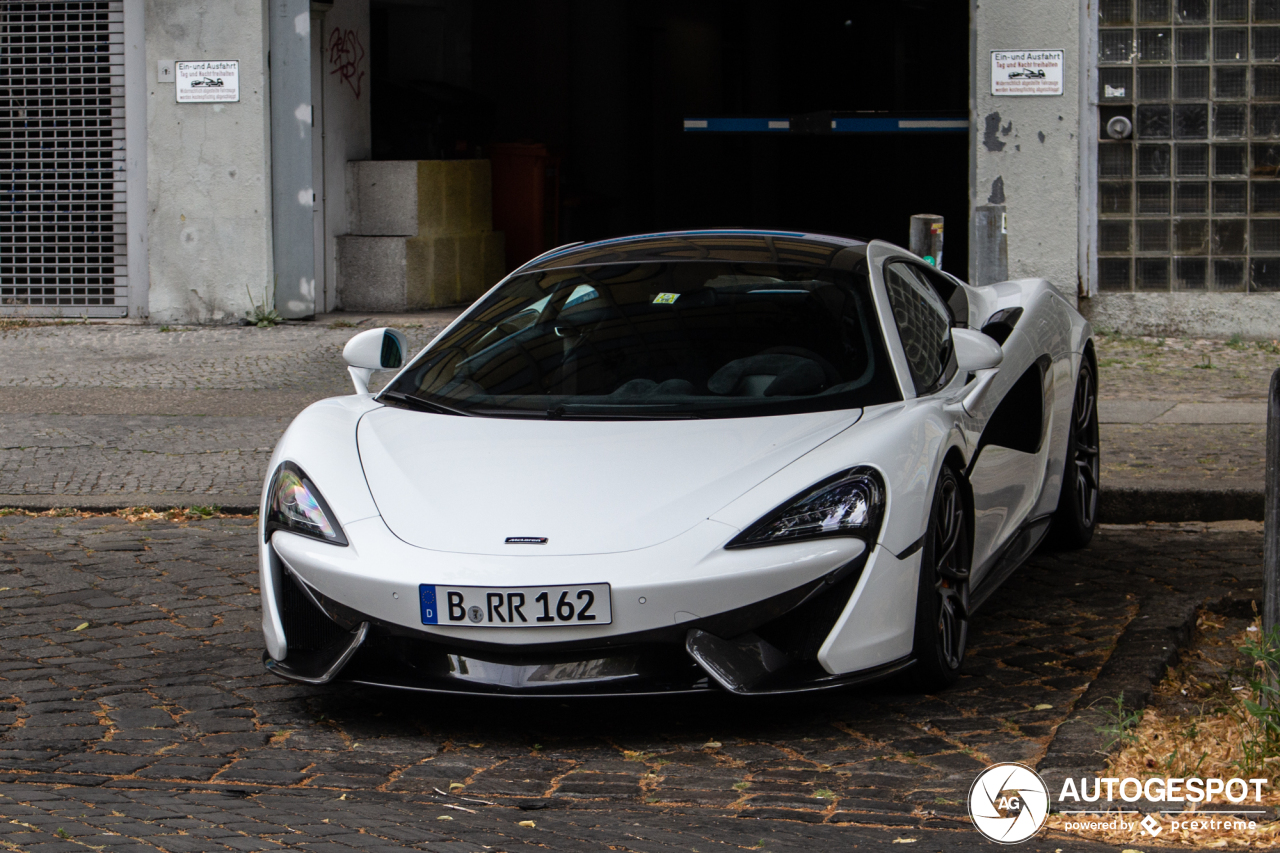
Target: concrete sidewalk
point(107, 416)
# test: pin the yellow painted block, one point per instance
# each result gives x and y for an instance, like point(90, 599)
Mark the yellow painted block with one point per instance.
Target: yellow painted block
point(495, 258)
point(418, 258)
point(454, 197)
point(431, 272)
point(431, 181)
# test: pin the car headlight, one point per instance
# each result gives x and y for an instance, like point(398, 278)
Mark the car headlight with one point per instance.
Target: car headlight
point(295, 504)
point(849, 504)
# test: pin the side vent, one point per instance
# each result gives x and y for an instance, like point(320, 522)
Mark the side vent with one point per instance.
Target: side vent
point(1018, 422)
point(1001, 324)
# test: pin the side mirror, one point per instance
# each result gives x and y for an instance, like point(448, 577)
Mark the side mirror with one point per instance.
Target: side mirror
point(975, 351)
point(371, 351)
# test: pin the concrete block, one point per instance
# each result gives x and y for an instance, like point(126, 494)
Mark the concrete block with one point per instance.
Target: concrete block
point(422, 236)
point(432, 275)
point(372, 273)
point(471, 281)
point(454, 196)
point(382, 198)
point(495, 259)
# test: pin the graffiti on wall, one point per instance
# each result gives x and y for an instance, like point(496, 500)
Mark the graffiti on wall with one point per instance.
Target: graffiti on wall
point(346, 55)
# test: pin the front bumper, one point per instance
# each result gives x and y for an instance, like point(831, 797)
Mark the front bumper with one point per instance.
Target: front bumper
point(341, 615)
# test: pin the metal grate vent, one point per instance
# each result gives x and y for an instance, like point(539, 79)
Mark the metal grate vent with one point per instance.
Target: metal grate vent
point(62, 180)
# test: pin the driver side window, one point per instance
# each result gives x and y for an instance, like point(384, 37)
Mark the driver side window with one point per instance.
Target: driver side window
point(924, 325)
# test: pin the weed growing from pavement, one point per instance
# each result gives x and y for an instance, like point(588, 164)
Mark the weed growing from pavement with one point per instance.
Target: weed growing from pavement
point(262, 314)
point(1260, 722)
point(1120, 723)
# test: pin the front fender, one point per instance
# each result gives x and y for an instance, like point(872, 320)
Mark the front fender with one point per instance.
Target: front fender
point(905, 442)
point(322, 441)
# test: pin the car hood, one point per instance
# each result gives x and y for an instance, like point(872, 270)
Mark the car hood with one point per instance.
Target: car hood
point(466, 484)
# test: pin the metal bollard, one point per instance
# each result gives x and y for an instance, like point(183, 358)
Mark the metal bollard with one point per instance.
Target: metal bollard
point(1271, 530)
point(926, 237)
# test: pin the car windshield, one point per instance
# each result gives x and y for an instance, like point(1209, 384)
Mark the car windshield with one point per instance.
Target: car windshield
point(686, 339)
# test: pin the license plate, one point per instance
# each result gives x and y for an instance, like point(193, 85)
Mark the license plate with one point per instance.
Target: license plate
point(515, 607)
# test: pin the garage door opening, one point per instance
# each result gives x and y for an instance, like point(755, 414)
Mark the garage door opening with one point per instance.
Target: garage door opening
point(597, 94)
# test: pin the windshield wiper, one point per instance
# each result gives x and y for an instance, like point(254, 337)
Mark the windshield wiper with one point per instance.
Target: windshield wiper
point(424, 405)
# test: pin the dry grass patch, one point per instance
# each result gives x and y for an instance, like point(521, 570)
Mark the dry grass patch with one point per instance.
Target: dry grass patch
point(1205, 720)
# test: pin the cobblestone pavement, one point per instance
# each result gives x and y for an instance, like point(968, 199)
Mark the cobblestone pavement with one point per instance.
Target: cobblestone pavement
point(122, 461)
point(135, 715)
point(73, 398)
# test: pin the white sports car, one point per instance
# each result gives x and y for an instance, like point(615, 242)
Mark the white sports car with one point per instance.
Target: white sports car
point(755, 461)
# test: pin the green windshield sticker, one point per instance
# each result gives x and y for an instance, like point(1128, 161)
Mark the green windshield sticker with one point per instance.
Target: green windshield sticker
point(665, 298)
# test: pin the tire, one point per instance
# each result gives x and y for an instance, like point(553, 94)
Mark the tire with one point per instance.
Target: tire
point(1077, 513)
point(942, 603)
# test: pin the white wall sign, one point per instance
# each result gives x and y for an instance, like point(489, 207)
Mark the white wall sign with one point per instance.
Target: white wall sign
point(1027, 72)
point(215, 81)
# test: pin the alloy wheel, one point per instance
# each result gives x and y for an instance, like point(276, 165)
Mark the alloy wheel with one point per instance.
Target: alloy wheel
point(1084, 449)
point(951, 569)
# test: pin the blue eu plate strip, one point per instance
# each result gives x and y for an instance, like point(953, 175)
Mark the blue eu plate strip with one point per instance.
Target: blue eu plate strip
point(427, 596)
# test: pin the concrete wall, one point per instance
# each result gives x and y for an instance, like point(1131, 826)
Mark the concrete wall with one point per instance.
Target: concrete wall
point(208, 187)
point(1026, 148)
point(344, 65)
point(1254, 316)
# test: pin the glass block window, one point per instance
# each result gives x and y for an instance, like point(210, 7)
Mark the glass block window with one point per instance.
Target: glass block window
point(1190, 201)
point(62, 159)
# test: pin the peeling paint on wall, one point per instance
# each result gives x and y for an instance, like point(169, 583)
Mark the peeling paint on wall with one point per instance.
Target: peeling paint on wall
point(997, 191)
point(989, 139)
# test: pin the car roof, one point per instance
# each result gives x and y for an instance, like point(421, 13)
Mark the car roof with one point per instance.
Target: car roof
point(729, 244)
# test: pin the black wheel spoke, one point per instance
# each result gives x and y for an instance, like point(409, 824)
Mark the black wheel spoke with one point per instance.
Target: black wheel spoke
point(1088, 476)
point(950, 572)
point(1084, 451)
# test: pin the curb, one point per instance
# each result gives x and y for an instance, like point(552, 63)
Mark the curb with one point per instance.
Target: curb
point(1129, 505)
point(230, 504)
point(1151, 643)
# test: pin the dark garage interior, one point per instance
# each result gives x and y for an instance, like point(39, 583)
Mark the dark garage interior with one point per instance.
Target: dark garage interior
point(591, 95)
